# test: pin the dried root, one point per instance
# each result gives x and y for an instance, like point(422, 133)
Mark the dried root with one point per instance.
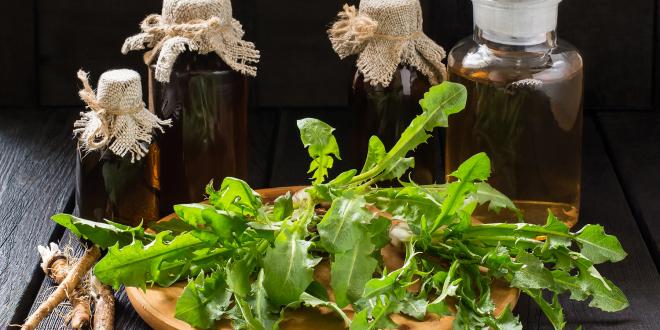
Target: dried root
point(56, 265)
point(104, 305)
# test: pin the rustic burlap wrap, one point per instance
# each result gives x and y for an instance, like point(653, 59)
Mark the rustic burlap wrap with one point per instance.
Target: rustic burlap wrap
point(117, 119)
point(202, 26)
point(386, 33)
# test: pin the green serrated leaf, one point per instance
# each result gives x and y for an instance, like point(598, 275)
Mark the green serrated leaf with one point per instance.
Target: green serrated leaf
point(102, 234)
point(261, 307)
point(485, 193)
point(476, 168)
point(204, 300)
point(565, 282)
point(343, 224)
point(238, 275)
point(288, 268)
point(314, 302)
point(387, 282)
point(381, 315)
point(441, 101)
point(415, 307)
point(243, 318)
point(175, 226)
point(282, 208)
point(397, 169)
point(553, 224)
point(553, 311)
point(343, 178)
point(375, 153)
point(507, 321)
point(440, 308)
point(598, 246)
point(378, 286)
point(533, 274)
point(136, 264)
point(351, 270)
point(605, 295)
point(450, 97)
point(379, 230)
point(235, 195)
point(455, 200)
point(191, 213)
point(360, 321)
point(317, 137)
point(224, 224)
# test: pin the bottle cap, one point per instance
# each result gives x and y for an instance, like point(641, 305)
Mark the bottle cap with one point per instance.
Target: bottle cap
point(202, 26)
point(118, 119)
point(516, 22)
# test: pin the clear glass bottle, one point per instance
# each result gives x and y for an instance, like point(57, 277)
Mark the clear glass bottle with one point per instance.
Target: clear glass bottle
point(207, 103)
point(114, 188)
point(524, 109)
point(387, 111)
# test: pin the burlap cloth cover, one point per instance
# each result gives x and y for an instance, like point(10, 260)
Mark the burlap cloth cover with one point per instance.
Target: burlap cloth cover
point(202, 26)
point(117, 119)
point(386, 33)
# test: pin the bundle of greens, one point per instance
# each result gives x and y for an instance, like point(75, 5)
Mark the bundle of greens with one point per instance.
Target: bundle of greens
point(250, 261)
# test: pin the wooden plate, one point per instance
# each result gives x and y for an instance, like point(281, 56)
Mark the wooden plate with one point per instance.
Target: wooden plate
point(156, 305)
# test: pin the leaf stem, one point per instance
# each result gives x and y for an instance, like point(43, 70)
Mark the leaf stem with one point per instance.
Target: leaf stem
point(516, 227)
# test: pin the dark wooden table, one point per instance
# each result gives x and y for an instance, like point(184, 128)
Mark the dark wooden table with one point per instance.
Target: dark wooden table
point(621, 190)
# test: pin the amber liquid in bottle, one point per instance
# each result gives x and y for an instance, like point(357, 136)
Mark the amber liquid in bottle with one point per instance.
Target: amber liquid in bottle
point(387, 111)
point(111, 187)
point(524, 111)
point(207, 102)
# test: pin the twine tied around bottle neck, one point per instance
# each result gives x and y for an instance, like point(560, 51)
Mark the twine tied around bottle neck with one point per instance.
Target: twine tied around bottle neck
point(385, 34)
point(195, 25)
point(192, 30)
point(352, 30)
point(118, 119)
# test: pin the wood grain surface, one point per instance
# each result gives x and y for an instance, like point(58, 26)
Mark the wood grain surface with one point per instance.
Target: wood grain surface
point(603, 202)
point(36, 170)
point(633, 141)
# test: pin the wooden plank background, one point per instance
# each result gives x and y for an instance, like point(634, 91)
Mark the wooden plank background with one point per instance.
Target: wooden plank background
point(45, 42)
point(17, 58)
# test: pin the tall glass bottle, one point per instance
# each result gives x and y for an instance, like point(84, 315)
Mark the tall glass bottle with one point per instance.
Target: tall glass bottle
point(117, 168)
point(524, 107)
point(386, 111)
point(397, 63)
point(198, 63)
point(207, 103)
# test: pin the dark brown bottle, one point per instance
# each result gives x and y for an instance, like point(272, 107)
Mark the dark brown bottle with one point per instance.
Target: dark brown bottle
point(114, 188)
point(207, 103)
point(387, 111)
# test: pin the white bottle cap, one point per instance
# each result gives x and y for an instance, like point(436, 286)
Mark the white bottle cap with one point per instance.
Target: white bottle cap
point(516, 22)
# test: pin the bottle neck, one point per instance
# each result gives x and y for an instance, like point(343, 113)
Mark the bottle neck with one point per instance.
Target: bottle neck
point(516, 24)
point(541, 43)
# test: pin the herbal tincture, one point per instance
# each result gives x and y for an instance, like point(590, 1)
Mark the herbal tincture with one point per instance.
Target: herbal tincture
point(197, 79)
point(524, 107)
point(117, 164)
point(396, 64)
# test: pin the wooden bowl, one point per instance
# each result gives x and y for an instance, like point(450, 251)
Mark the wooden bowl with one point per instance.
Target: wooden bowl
point(156, 305)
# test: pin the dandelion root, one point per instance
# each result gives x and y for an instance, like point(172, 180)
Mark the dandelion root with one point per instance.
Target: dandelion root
point(104, 305)
point(67, 286)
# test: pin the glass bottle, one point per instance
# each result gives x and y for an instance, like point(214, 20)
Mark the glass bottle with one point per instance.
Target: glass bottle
point(387, 111)
point(112, 187)
point(207, 103)
point(524, 107)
